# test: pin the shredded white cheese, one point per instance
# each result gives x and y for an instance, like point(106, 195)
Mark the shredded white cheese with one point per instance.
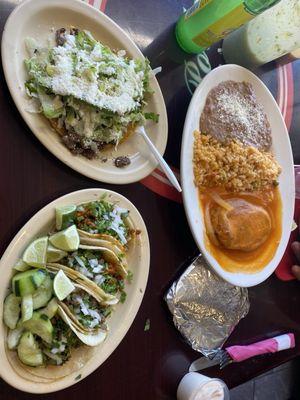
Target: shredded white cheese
point(122, 89)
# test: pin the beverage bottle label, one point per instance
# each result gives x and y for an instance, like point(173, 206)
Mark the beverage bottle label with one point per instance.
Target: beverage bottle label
point(221, 28)
point(209, 21)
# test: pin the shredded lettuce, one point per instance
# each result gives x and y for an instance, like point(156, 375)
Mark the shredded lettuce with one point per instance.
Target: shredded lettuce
point(94, 92)
point(154, 117)
point(52, 106)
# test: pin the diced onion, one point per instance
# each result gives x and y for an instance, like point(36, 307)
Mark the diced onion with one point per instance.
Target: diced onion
point(79, 261)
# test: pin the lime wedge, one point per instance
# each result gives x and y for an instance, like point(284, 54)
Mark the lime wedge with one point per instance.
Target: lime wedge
point(35, 254)
point(64, 216)
point(21, 266)
point(67, 239)
point(62, 285)
point(54, 254)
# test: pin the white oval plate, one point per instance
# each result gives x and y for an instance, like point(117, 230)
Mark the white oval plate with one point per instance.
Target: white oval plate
point(36, 18)
point(124, 314)
point(281, 148)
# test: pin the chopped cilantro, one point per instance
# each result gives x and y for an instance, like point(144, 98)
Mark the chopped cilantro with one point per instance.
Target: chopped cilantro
point(110, 285)
point(106, 311)
point(147, 325)
point(98, 217)
point(154, 117)
point(123, 297)
point(129, 276)
point(62, 334)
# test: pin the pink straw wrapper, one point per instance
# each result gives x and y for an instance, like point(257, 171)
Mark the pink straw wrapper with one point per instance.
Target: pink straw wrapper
point(278, 343)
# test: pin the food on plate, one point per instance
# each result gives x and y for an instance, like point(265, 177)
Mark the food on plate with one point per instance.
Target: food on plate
point(232, 112)
point(92, 96)
point(237, 179)
point(242, 230)
point(101, 220)
point(58, 307)
point(122, 161)
point(232, 165)
point(241, 225)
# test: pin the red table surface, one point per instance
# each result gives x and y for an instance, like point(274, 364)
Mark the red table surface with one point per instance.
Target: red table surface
point(149, 365)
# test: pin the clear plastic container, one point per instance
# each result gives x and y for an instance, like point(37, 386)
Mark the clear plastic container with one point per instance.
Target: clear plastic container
point(269, 36)
point(195, 386)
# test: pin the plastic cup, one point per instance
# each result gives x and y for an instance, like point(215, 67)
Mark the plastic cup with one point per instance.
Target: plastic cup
point(195, 386)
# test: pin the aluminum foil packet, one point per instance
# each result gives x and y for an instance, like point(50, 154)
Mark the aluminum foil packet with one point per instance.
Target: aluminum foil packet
point(205, 308)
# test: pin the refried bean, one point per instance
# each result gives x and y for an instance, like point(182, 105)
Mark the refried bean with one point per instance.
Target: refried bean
point(232, 112)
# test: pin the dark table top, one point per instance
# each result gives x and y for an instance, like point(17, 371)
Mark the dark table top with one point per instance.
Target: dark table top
point(149, 365)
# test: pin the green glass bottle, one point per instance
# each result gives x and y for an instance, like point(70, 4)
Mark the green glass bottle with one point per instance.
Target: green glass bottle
point(209, 21)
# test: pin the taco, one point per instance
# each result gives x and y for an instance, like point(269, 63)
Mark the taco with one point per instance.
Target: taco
point(54, 330)
point(101, 223)
point(97, 267)
point(88, 285)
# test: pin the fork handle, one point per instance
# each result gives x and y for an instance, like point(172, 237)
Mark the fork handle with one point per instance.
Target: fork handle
point(278, 343)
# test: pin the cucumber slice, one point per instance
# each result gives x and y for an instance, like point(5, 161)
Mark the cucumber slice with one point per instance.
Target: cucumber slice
point(29, 352)
point(26, 307)
point(40, 325)
point(44, 293)
point(11, 310)
point(51, 308)
point(13, 337)
point(21, 266)
point(28, 281)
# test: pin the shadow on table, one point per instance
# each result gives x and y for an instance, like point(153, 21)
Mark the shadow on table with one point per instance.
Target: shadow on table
point(164, 51)
point(6, 7)
point(295, 379)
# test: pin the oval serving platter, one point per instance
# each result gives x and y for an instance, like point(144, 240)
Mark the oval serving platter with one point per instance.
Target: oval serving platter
point(119, 323)
point(39, 19)
point(281, 148)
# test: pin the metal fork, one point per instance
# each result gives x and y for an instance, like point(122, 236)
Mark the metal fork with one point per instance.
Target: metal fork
point(244, 352)
point(221, 358)
point(225, 358)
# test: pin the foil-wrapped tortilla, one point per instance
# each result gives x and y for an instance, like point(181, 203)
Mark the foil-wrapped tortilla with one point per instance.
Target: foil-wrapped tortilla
point(205, 308)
